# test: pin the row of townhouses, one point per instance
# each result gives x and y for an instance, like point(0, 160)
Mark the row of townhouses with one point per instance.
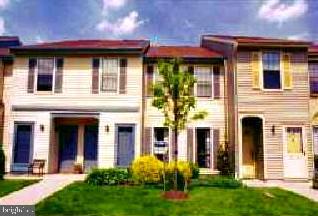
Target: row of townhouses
point(88, 102)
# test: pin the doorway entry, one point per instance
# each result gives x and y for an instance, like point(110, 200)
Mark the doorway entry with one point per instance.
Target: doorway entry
point(252, 148)
point(125, 136)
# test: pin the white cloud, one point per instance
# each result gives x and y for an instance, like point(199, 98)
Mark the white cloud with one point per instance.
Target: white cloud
point(121, 26)
point(2, 27)
point(275, 11)
point(112, 4)
point(301, 36)
point(39, 39)
point(4, 3)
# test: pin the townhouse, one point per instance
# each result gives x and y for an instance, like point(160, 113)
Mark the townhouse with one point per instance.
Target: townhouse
point(69, 102)
point(268, 90)
point(6, 60)
point(88, 102)
point(313, 72)
point(200, 141)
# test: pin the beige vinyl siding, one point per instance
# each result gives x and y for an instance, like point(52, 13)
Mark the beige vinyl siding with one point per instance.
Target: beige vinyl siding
point(76, 93)
point(215, 119)
point(279, 108)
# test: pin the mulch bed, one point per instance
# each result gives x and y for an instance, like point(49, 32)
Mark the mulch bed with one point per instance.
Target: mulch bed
point(175, 195)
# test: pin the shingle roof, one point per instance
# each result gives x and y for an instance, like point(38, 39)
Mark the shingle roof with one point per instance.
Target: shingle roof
point(313, 49)
point(261, 40)
point(89, 44)
point(181, 52)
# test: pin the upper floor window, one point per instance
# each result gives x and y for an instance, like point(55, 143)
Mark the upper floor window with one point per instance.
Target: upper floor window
point(271, 70)
point(45, 74)
point(313, 71)
point(204, 81)
point(110, 75)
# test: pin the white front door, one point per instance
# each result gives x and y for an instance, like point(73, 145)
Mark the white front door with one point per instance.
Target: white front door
point(295, 165)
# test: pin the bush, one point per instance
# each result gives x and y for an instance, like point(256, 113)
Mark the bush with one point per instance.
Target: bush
point(184, 175)
point(218, 181)
point(2, 163)
point(147, 170)
point(112, 176)
point(223, 161)
point(195, 170)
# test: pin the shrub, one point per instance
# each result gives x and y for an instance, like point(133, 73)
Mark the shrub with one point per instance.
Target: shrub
point(111, 176)
point(184, 175)
point(218, 181)
point(223, 161)
point(195, 170)
point(2, 162)
point(147, 170)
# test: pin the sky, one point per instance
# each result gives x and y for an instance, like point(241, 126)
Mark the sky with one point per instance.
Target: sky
point(161, 21)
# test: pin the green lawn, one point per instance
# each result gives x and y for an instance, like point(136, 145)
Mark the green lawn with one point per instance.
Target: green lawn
point(8, 186)
point(82, 199)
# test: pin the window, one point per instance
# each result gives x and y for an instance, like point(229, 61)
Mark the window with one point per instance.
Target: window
point(45, 74)
point(294, 140)
point(271, 70)
point(110, 75)
point(313, 71)
point(161, 142)
point(204, 81)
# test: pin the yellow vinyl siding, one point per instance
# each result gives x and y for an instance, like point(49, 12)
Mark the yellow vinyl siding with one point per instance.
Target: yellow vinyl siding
point(288, 79)
point(279, 108)
point(256, 70)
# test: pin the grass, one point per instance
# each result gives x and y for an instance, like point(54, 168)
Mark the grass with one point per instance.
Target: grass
point(83, 199)
point(8, 186)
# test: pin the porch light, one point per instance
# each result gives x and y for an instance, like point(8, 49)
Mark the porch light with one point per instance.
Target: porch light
point(273, 130)
point(107, 128)
point(41, 127)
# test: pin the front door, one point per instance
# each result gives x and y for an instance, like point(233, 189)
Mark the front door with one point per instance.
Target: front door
point(315, 143)
point(248, 149)
point(68, 135)
point(294, 153)
point(90, 147)
point(125, 145)
point(22, 153)
point(203, 148)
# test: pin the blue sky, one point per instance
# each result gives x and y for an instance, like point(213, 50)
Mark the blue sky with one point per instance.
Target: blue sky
point(162, 21)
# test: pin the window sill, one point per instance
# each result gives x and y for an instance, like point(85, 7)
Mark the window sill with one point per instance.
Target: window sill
point(43, 92)
point(273, 90)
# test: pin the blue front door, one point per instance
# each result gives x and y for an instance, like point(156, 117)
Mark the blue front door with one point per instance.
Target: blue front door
point(67, 147)
point(22, 154)
point(90, 147)
point(125, 145)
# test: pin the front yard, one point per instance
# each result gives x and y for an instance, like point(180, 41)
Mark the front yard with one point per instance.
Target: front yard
point(8, 186)
point(83, 199)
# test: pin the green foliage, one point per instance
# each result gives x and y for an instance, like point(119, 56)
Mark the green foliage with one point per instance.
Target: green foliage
point(184, 175)
point(147, 169)
point(217, 181)
point(223, 161)
point(173, 94)
point(2, 163)
point(195, 170)
point(111, 176)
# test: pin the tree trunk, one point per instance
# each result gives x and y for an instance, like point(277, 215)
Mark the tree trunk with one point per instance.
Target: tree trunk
point(175, 154)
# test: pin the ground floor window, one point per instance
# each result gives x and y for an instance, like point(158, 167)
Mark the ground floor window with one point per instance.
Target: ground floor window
point(315, 130)
point(203, 145)
point(161, 143)
point(294, 140)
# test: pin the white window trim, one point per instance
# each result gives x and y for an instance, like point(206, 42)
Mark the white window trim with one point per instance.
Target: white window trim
point(169, 138)
point(303, 130)
point(211, 67)
point(35, 87)
point(195, 158)
point(281, 72)
point(100, 77)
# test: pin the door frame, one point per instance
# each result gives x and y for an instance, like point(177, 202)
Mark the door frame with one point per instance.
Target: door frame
point(240, 142)
point(195, 145)
point(303, 128)
point(117, 125)
point(31, 154)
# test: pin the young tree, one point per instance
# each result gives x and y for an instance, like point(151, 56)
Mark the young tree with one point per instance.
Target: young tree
point(173, 95)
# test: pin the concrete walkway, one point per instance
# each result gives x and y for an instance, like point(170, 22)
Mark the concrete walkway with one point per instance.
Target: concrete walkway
point(33, 194)
point(302, 188)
